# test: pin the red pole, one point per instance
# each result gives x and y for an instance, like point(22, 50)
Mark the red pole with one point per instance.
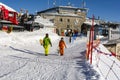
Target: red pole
point(92, 38)
point(89, 45)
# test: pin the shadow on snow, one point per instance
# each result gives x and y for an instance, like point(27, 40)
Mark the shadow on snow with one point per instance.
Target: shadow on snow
point(29, 52)
point(86, 68)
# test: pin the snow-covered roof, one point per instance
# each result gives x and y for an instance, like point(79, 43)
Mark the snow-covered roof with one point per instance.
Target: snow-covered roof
point(44, 22)
point(89, 23)
point(68, 6)
point(64, 14)
point(72, 7)
point(7, 7)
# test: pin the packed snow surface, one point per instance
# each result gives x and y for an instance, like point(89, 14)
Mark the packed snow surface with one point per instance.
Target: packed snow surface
point(22, 58)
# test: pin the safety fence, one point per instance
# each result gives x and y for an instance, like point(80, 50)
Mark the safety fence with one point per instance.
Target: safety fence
point(106, 62)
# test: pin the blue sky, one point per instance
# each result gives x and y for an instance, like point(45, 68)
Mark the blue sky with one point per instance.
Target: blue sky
point(105, 9)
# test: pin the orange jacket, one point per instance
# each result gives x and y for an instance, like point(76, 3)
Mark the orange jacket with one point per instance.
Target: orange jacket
point(62, 44)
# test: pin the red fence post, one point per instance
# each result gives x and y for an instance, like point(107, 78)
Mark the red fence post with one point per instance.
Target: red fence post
point(91, 39)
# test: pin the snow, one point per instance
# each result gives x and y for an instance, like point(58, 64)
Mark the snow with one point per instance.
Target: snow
point(7, 7)
point(44, 22)
point(108, 66)
point(22, 58)
point(89, 23)
point(64, 14)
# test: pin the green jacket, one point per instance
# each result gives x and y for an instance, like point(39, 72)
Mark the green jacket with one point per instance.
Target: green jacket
point(46, 41)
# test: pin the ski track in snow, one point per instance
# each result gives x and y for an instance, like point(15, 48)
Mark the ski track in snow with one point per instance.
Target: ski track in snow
point(30, 65)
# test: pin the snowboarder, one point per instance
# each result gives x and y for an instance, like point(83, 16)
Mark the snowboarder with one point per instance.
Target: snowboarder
point(62, 45)
point(46, 44)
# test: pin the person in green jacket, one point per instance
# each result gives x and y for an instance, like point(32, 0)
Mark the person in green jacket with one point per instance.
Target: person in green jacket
point(46, 44)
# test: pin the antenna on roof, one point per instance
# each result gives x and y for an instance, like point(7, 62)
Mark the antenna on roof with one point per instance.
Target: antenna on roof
point(48, 3)
point(69, 4)
point(54, 3)
point(83, 4)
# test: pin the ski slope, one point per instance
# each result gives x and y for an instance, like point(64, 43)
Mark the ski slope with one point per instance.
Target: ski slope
point(22, 58)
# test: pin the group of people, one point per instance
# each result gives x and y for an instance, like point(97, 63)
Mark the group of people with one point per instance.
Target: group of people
point(47, 43)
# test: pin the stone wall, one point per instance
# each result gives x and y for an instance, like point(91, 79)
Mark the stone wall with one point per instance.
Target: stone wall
point(115, 48)
point(118, 50)
point(63, 23)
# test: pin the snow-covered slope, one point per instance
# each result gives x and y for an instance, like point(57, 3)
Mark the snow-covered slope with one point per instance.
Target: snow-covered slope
point(22, 58)
point(106, 64)
point(24, 39)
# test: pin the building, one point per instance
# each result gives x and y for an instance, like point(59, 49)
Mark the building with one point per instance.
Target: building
point(37, 22)
point(7, 14)
point(113, 43)
point(65, 18)
point(114, 47)
point(87, 25)
point(8, 19)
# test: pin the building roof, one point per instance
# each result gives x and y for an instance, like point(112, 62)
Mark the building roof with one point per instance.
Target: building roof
point(66, 14)
point(89, 23)
point(63, 7)
point(7, 7)
point(110, 42)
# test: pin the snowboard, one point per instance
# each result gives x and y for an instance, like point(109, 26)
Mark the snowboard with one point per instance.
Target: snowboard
point(41, 41)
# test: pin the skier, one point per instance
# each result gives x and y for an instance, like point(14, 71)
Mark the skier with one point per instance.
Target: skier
point(46, 44)
point(62, 45)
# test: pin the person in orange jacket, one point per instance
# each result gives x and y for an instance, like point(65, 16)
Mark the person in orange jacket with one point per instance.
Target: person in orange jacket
point(62, 45)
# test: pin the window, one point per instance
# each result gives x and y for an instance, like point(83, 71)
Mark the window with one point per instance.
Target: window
point(61, 19)
point(68, 26)
point(68, 20)
point(52, 20)
point(11, 14)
